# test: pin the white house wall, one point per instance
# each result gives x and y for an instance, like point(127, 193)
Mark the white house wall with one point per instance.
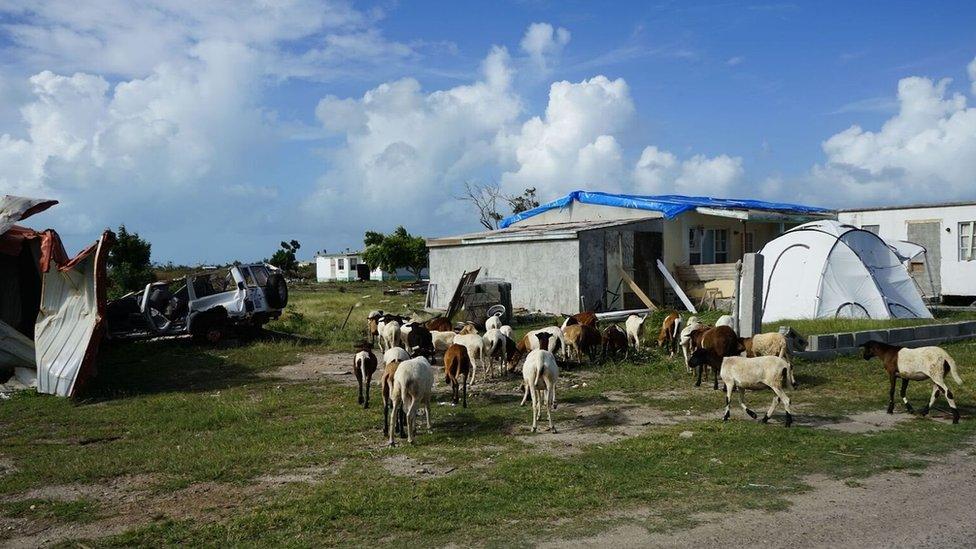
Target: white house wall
point(544, 274)
point(958, 277)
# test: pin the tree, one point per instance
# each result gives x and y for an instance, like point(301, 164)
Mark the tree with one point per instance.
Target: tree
point(128, 263)
point(487, 197)
point(396, 250)
point(284, 258)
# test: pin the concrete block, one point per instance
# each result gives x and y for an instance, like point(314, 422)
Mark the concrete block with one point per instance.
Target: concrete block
point(926, 332)
point(900, 335)
point(950, 330)
point(845, 341)
point(967, 328)
point(861, 338)
point(822, 342)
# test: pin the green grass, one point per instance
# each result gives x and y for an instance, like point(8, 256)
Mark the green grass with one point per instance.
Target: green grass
point(182, 415)
point(811, 326)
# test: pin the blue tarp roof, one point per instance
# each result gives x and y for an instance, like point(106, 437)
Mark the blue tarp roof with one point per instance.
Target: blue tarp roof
point(670, 205)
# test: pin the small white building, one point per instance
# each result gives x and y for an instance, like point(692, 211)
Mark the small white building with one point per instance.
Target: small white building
point(947, 269)
point(349, 266)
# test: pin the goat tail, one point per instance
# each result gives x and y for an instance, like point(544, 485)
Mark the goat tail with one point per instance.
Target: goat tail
point(362, 369)
point(787, 378)
point(676, 329)
point(951, 366)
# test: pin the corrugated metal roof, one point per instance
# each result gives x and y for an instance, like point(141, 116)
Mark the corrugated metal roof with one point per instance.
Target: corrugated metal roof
point(670, 205)
point(17, 208)
point(545, 231)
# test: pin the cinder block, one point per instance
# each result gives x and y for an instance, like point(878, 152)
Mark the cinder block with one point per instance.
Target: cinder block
point(900, 335)
point(860, 338)
point(845, 341)
point(822, 342)
point(927, 332)
point(950, 330)
point(967, 328)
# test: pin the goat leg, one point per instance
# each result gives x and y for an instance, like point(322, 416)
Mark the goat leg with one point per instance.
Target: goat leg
point(904, 399)
point(891, 394)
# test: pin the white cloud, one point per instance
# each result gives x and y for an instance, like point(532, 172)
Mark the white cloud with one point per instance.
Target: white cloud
point(543, 43)
point(735, 61)
point(926, 150)
point(971, 69)
point(660, 172)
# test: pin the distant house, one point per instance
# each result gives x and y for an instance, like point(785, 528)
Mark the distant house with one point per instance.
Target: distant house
point(349, 266)
point(947, 269)
point(568, 255)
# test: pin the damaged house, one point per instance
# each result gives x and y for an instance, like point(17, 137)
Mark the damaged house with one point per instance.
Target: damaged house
point(580, 252)
point(52, 306)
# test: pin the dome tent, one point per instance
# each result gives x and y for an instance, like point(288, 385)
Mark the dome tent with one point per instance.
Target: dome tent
point(826, 269)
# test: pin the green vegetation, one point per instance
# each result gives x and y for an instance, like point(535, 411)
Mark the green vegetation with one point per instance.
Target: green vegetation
point(284, 257)
point(212, 424)
point(834, 325)
point(396, 250)
point(129, 267)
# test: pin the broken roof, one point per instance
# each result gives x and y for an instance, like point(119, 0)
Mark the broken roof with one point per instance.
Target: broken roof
point(670, 205)
point(542, 231)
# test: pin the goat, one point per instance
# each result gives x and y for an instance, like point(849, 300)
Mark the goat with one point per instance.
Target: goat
point(580, 339)
point(530, 342)
point(413, 383)
point(716, 344)
point(468, 328)
point(634, 325)
point(372, 325)
point(494, 322)
point(389, 334)
point(476, 352)
point(386, 382)
point(726, 320)
point(364, 366)
point(439, 324)
point(507, 331)
point(421, 342)
point(688, 342)
point(741, 373)
point(614, 340)
point(539, 373)
point(395, 353)
point(670, 333)
point(915, 365)
point(495, 348)
point(586, 318)
point(457, 364)
point(769, 344)
point(441, 340)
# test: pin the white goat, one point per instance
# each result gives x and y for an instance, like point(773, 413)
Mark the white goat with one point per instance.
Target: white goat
point(556, 343)
point(540, 373)
point(405, 334)
point(495, 348)
point(725, 320)
point(916, 365)
point(442, 340)
point(685, 340)
point(395, 353)
point(494, 322)
point(389, 334)
point(507, 331)
point(413, 383)
point(476, 351)
point(741, 373)
point(634, 325)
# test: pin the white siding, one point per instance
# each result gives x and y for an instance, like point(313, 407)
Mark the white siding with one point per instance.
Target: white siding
point(958, 277)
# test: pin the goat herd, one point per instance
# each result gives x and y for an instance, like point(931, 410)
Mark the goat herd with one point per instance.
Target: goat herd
point(756, 363)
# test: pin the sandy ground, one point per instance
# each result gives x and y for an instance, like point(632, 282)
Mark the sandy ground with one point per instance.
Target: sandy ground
point(930, 508)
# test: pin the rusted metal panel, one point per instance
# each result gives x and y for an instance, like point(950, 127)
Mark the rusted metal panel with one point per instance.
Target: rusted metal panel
point(18, 208)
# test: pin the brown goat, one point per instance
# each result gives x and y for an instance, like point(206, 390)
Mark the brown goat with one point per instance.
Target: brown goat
point(715, 344)
point(439, 324)
point(586, 318)
point(670, 333)
point(364, 366)
point(580, 339)
point(614, 340)
point(387, 383)
point(457, 364)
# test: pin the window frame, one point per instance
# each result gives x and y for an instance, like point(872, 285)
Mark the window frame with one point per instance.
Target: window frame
point(967, 251)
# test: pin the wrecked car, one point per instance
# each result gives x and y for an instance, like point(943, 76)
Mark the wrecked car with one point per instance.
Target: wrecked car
point(52, 306)
point(208, 305)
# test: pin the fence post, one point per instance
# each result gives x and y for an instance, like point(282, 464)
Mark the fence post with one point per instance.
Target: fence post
point(750, 296)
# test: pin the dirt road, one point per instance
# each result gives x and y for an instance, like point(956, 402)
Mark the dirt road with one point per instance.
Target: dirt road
point(933, 507)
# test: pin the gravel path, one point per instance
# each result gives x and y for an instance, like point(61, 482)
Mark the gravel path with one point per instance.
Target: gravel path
point(897, 509)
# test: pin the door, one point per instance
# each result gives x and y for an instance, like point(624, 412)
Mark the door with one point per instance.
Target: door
point(925, 269)
point(647, 250)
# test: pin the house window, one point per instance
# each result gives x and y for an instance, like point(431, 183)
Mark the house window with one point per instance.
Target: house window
point(708, 246)
point(966, 232)
point(871, 228)
point(342, 264)
point(750, 243)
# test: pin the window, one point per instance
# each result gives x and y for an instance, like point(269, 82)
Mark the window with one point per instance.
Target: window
point(966, 232)
point(342, 264)
point(750, 243)
point(708, 246)
point(871, 228)
point(248, 277)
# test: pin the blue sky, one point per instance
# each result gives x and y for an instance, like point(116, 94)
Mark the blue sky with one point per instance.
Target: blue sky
point(218, 130)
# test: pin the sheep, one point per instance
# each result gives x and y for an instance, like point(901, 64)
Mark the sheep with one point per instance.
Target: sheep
point(494, 348)
point(389, 334)
point(405, 330)
point(507, 331)
point(614, 340)
point(741, 373)
point(768, 344)
point(580, 339)
point(457, 364)
point(670, 333)
point(725, 320)
point(386, 382)
point(539, 373)
point(442, 339)
point(716, 343)
point(476, 351)
point(468, 328)
point(916, 365)
point(395, 353)
point(634, 325)
point(494, 322)
point(413, 383)
point(363, 367)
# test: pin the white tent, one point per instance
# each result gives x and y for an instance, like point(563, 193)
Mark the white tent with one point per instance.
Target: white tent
point(830, 269)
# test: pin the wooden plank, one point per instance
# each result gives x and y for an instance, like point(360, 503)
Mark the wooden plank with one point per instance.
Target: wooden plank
point(674, 286)
point(633, 286)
